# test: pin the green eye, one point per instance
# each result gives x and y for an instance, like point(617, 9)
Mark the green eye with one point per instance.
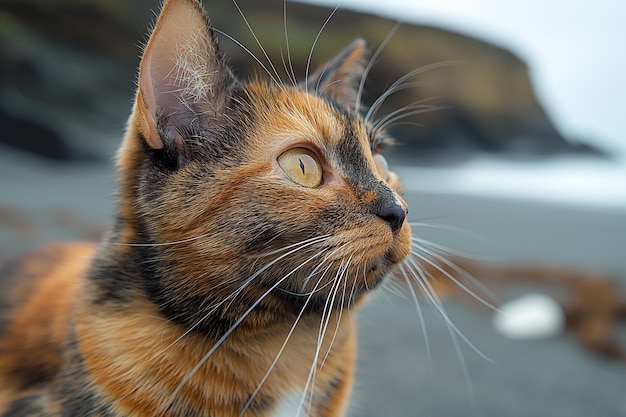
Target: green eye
point(301, 166)
point(381, 166)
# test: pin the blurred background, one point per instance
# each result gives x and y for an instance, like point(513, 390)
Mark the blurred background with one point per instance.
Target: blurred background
point(516, 156)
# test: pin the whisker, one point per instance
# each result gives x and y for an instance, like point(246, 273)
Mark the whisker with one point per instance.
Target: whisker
point(451, 251)
point(420, 315)
point(453, 330)
point(423, 245)
point(257, 41)
point(421, 278)
point(221, 340)
point(452, 277)
point(396, 89)
point(351, 298)
point(221, 32)
point(316, 239)
point(399, 82)
point(371, 63)
point(388, 121)
point(234, 294)
point(280, 351)
point(143, 245)
point(308, 61)
point(310, 382)
point(446, 227)
point(341, 278)
point(428, 290)
point(332, 253)
point(290, 72)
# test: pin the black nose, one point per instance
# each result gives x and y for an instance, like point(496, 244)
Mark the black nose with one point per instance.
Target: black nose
point(390, 210)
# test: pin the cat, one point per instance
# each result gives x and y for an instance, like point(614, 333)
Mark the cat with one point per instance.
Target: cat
point(252, 217)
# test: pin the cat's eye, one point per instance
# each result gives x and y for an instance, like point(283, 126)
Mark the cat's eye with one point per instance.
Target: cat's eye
point(302, 167)
point(381, 166)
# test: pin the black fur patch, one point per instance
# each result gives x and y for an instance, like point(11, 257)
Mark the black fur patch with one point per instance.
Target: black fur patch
point(25, 407)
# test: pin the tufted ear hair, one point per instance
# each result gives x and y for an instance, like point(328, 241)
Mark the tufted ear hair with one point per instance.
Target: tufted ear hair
point(340, 77)
point(182, 74)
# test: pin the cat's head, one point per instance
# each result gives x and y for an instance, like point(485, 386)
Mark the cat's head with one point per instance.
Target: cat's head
point(254, 188)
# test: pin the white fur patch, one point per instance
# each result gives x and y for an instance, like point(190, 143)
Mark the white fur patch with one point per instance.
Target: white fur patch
point(288, 406)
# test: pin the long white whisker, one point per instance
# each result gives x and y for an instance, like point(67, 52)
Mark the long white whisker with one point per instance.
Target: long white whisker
point(389, 121)
point(257, 41)
point(371, 63)
point(454, 332)
point(310, 382)
point(191, 328)
point(420, 246)
point(373, 111)
point(308, 61)
point(341, 304)
point(450, 276)
point(431, 294)
point(331, 254)
point(450, 251)
point(260, 271)
point(282, 348)
point(143, 245)
point(351, 297)
point(250, 53)
point(393, 88)
point(290, 72)
point(219, 342)
point(233, 295)
point(274, 252)
point(420, 315)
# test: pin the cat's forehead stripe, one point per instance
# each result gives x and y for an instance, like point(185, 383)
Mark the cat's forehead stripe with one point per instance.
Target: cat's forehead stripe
point(290, 111)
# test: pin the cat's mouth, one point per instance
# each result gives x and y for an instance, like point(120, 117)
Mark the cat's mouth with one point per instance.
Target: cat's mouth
point(378, 269)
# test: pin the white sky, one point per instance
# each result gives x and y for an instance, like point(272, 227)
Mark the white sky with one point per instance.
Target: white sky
point(576, 51)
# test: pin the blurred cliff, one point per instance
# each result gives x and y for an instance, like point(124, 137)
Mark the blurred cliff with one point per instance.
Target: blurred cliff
point(68, 68)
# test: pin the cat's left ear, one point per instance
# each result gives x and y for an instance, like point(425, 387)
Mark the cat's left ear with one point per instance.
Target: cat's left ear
point(182, 74)
point(339, 79)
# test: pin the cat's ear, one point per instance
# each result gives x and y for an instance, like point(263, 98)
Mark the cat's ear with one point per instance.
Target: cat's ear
point(339, 78)
point(181, 75)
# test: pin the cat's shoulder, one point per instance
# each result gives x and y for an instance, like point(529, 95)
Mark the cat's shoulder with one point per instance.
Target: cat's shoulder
point(22, 275)
point(38, 293)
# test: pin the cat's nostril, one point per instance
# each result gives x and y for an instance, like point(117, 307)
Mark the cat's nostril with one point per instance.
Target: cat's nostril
point(395, 218)
point(390, 211)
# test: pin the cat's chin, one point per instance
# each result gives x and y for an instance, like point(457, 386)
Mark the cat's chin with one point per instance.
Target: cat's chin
point(401, 245)
point(378, 270)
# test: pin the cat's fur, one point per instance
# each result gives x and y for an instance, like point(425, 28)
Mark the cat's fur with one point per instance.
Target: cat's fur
point(223, 286)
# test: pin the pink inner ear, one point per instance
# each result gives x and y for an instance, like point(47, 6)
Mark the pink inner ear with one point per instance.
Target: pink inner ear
point(179, 70)
point(146, 105)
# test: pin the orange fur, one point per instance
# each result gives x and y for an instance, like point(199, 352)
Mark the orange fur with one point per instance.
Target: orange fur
point(122, 352)
point(31, 350)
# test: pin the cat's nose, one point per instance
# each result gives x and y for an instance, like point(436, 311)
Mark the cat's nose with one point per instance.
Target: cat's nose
point(392, 210)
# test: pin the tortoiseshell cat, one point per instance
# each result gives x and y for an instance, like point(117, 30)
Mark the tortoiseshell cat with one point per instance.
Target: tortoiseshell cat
point(251, 216)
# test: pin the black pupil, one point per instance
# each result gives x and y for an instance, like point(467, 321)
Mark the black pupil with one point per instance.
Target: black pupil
point(301, 165)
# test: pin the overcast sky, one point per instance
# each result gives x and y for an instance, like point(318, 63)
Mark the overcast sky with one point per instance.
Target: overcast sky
point(576, 51)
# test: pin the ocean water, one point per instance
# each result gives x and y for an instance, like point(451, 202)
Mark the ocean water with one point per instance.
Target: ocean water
point(584, 182)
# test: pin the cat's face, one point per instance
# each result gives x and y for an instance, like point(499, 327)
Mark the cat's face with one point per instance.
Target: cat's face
point(257, 188)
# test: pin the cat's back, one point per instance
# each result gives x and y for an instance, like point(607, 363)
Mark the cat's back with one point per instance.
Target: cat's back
point(37, 292)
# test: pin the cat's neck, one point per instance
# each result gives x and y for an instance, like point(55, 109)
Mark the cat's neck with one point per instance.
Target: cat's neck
point(135, 343)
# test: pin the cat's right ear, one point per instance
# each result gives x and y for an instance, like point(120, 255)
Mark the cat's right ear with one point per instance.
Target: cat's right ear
point(182, 74)
point(339, 79)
